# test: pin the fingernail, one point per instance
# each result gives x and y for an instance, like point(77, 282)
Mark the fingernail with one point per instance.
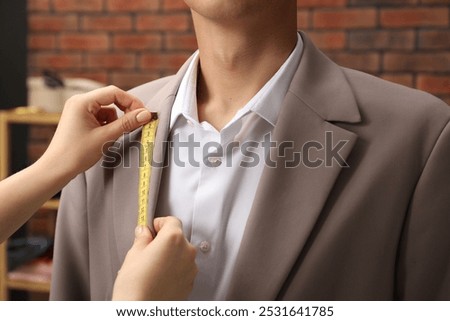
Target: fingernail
point(139, 230)
point(144, 116)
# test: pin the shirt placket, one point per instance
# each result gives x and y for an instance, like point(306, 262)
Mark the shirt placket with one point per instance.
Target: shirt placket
point(206, 231)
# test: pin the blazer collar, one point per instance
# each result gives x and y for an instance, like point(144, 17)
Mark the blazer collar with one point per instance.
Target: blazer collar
point(319, 83)
point(158, 102)
point(323, 86)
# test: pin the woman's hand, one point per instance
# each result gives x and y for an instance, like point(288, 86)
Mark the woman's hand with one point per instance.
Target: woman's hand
point(87, 125)
point(162, 268)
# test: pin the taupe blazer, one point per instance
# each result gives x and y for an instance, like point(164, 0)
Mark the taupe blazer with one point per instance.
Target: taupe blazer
point(378, 229)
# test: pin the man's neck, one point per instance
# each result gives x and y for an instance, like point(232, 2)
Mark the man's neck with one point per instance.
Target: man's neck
point(237, 59)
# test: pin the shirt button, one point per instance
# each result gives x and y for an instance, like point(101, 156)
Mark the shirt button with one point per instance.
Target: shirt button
point(205, 246)
point(215, 161)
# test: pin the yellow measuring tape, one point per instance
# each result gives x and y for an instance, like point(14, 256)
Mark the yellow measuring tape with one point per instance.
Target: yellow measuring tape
point(145, 168)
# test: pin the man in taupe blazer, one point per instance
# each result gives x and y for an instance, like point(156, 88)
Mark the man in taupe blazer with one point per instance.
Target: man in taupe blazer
point(372, 226)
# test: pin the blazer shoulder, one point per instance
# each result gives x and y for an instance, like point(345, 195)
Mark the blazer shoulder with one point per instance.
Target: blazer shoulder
point(408, 120)
point(145, 92)
point(377, 95)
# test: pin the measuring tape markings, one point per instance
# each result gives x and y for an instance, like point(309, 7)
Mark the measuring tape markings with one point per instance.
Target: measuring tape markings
point(145, 168)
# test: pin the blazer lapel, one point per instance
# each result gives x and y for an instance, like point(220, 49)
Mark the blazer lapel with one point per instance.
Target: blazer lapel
point(126, 178)
point(159, 151)
point(289, 201)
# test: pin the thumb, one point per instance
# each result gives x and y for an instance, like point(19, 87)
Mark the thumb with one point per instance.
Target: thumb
point(127, 123)
point(166, 222)
point(143, 237)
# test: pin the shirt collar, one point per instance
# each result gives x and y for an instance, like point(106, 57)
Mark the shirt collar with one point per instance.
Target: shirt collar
point(186, 100)
point(266, 103)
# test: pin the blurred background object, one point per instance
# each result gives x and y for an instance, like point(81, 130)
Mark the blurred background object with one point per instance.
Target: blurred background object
point(13, 53)
point(50, 91)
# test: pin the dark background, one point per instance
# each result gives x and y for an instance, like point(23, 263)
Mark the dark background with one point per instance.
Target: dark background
point(13, 53)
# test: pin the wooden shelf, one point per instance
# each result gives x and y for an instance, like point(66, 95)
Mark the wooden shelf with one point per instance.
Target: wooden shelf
point(51, 205)
point(31, 116)
point(34, 276)
point(29, 286)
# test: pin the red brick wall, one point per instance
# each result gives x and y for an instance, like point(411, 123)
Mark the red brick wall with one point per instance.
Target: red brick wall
point(129, 42)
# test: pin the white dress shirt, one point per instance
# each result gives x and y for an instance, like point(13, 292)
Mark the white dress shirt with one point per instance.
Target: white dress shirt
point(213, 194)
